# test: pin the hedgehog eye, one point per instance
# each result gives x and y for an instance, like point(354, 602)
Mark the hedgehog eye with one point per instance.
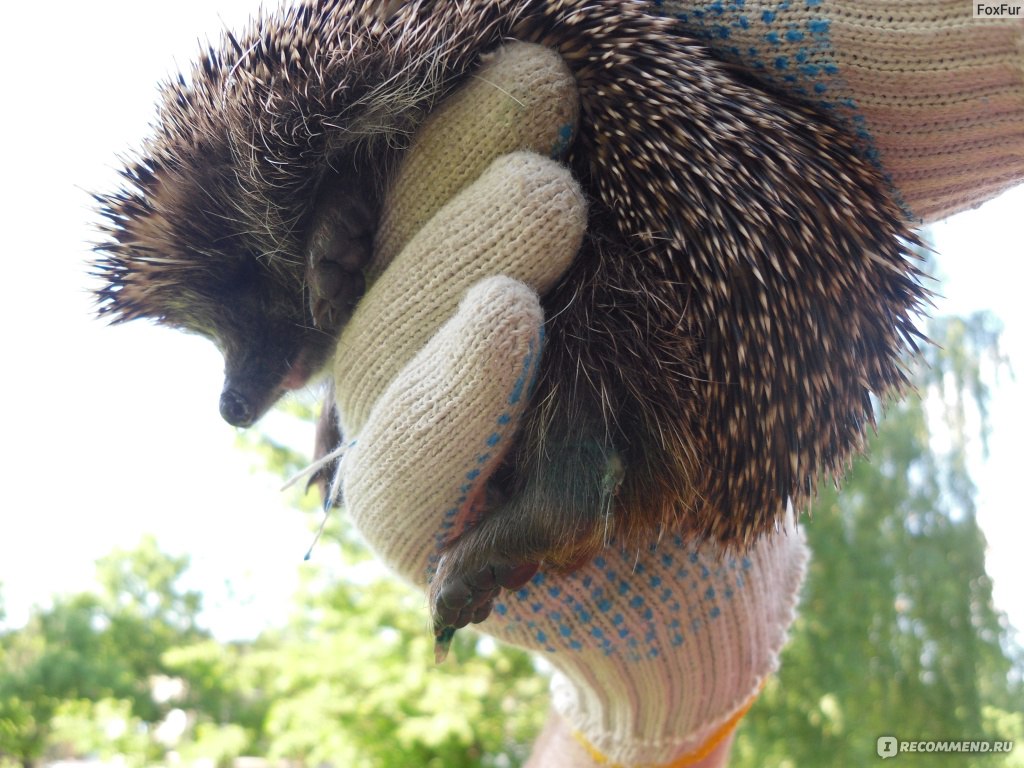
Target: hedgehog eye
point(247, 270)
point(241, 277)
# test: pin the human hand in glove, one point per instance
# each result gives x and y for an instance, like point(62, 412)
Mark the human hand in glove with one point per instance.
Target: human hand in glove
point(658, 652)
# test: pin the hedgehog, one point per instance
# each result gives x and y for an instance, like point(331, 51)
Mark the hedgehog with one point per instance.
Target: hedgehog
point(744, 297)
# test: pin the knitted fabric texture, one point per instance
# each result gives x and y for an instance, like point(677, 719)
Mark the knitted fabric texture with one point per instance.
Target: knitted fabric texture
point(524, 218)
point(522, 97)
point(447, 349)
point(507, 211)
point(936, 96)
point(656, 649)
point(442, 424)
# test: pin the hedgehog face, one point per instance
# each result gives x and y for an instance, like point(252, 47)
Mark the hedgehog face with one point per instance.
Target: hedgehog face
point(259, 322)
point(277, 327)
point(236, 221)
point(178, 257)
point(263, 329)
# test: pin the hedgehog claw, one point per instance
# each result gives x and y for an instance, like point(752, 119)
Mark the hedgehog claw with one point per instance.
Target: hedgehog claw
point(442, 643)
point(334, 293)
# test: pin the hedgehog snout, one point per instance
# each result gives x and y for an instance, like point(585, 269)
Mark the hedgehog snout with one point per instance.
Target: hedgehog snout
point(236, 409)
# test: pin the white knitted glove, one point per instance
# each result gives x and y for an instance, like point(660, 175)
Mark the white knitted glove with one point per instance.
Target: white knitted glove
point(452, 395)
point(432, 394)
point(659, 652)
point(935, 95)
point(437, 431)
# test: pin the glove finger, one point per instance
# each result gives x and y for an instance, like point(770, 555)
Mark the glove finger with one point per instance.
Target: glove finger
point(443, 424)
point(524, 218)
point(523, 97)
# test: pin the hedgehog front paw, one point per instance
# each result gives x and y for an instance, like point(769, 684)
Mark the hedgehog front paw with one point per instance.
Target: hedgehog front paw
point(333, 293)
point(339, 245)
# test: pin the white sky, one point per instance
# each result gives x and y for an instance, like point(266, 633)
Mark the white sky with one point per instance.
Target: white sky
point(114, 432)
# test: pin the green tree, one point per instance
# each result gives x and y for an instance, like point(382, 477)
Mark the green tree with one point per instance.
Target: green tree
point(227, 693)
point(105, 728)
point(92, 648)
point(145, 614)
point(355, 685)
point(897, 633)
point(351, 679)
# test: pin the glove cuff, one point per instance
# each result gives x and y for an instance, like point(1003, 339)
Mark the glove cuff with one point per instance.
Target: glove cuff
point(670, 705)
point(936, 96)
point(706, 745)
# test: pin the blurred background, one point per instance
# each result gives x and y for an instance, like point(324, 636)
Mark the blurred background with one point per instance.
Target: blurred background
point(155, 608)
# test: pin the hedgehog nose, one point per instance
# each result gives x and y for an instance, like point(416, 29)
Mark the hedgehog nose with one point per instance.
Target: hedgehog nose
point(235, 409)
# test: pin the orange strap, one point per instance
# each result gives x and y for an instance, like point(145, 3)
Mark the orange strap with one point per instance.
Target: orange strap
point(684, 761)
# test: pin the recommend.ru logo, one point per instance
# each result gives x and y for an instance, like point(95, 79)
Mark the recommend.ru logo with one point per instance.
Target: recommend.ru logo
point(890, 746)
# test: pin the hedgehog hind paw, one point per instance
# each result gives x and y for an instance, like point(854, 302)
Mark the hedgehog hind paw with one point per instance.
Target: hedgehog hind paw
point(463, 592)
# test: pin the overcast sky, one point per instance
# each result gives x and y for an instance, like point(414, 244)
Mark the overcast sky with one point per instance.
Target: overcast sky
point(115, 433)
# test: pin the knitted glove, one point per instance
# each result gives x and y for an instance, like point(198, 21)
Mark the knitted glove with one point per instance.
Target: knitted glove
point(936, 96)
point(659, 652)
point(439, 385)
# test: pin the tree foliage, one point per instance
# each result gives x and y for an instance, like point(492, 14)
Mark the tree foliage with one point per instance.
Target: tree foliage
point(360, 688)
point(93, 649)
point(897, 633)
